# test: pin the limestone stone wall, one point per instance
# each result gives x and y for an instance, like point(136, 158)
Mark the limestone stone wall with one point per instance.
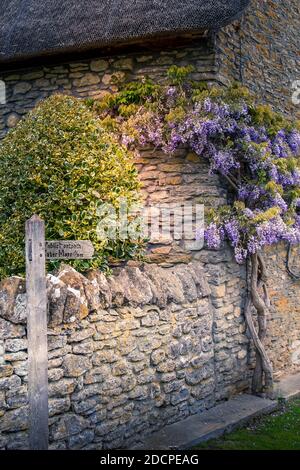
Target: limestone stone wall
point(283, 341)
point(127, 354)
point(170, 182)
point(184, 178)
point(262, 51)
point(140, 349)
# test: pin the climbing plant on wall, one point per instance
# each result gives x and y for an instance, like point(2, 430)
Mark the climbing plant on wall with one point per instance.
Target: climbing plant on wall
point(255, 150)
point(60, 163)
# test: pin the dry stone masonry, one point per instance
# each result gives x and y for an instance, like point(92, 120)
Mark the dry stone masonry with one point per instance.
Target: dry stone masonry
point(262, 50)
point(97, 76)
point(127, 354)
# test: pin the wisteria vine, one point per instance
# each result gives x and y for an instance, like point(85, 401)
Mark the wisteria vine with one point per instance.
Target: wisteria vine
point(253, 148)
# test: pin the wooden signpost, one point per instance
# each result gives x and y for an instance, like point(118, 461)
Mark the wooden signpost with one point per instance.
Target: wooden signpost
point(37, 333)
point(37, 251)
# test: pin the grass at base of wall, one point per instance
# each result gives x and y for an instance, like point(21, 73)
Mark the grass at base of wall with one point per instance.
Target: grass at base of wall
point(279, 431)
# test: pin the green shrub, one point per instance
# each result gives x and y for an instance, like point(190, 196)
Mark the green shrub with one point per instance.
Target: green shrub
point(60, 164)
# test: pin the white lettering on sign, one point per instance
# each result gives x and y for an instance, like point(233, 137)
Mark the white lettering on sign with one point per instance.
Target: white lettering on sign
point(69, 249)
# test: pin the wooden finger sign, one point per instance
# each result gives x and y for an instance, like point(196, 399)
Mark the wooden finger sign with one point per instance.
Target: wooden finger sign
point(69, 249)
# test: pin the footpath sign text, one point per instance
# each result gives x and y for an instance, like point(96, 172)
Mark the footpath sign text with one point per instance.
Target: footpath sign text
point(69, 249)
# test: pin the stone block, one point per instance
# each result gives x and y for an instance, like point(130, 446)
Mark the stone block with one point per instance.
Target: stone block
point(98, 65)
point(15, 345)
point(75, 365)
point(15, 420)
point(61, 387)
point(87, 80)
point(11, 382)
point(6, 370)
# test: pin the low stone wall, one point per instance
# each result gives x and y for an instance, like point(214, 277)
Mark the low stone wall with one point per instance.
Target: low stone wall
point(127, 354)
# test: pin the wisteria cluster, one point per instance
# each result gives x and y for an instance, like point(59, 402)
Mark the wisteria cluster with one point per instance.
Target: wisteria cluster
point(256, 150)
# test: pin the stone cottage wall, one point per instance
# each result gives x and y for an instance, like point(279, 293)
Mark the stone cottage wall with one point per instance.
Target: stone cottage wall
point(95, 77)
point(262, 51)
point(184, 178)
point(283, 341)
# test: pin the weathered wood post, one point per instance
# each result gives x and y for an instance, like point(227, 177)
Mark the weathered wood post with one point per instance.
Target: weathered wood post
point(37, 333)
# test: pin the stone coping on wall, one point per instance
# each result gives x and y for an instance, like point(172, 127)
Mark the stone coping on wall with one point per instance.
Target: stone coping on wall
point(73, 296)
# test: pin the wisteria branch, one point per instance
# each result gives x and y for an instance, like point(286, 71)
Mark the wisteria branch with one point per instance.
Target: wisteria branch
point(293, 275)
point(262, 380)
point(231, 183)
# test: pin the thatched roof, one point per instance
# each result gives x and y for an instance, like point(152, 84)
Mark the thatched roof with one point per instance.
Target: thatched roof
point(36, 28)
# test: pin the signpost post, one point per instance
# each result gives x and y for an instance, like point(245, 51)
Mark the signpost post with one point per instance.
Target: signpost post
point(37, 333)
point(37, 251)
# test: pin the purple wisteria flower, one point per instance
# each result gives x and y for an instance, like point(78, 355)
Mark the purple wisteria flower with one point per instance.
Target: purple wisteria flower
point(292, 236)
point(171, 91)
point(271, 232)
point(127, 140)
point(253, 245)
point(223, 162)
point(296, 202)
point(207, 105)
point(249, 213)
point(228, 137)
point(278, 201)
point(293, 140)
point(232, 231)
point(251, 193)
point(240, 254)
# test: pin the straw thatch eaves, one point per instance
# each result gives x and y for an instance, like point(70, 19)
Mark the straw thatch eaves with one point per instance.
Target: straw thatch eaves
point(35, 28)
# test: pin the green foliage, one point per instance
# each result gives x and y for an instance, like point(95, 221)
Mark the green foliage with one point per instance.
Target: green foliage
point(133, 93)
point(60, 164)
point(263, 115)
